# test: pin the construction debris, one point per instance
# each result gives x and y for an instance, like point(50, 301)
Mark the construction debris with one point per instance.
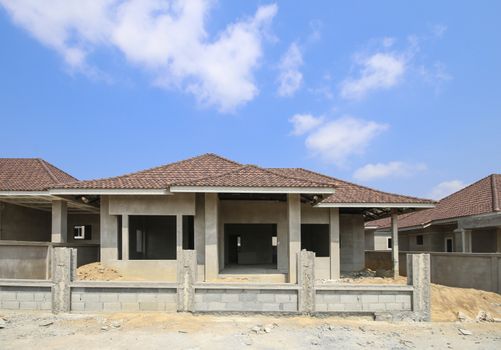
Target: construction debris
point(465, 331)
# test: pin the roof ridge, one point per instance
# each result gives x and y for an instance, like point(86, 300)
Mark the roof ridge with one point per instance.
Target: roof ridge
point(495, 201)
point(270, 170)
point(42, 162)
point(362, 186)
point(155, 167)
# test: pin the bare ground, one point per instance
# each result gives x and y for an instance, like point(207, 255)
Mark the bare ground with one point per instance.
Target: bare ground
point(185, 331)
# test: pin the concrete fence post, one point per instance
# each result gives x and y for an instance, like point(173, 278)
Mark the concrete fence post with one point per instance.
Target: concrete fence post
point(306, 281)
point(186, 278)
point(62, 272)
point(418, 275)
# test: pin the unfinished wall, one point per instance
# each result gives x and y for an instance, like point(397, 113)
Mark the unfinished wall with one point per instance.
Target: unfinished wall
point(381, 240)
point(26, 297)
point(84, 219)
point(352, 245)
point(23, 261)
point(484, 240)
point(179, 203)
point(369, 239)
point(19, 223)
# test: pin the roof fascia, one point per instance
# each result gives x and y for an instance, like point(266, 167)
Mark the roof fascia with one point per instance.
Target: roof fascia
point(238, 189)
point(108, 191)
point(375, 205)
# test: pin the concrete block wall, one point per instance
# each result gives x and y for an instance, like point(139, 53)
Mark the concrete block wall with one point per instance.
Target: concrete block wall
point(362, 300)
point(25, 298)
point(122, 299)
point(246, 300)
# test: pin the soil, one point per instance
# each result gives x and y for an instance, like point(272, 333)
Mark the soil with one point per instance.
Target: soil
point(28, 330)
point(97, 272)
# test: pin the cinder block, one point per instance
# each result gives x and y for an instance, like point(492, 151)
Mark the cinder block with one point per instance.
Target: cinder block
point(10, 305)
point(216, 306)
point(130, 307)
point(167, 297)
point(282, 298)
point(375, 307)
point(335, 307)
point(108, 297)
point(6, 296)
point(234, 306)
point(351, 299)
point(93, 306)
point(209, 297)
point(46, 305)
point(127, 297)
point(251, 306)
point(248, 297)
point(395, 307)
point(89, 297)
point(289, 307)
point(112, 306)
point(77, 306)
point(43, 296)
point(320, 307)
point(28, 305)
point(151, 306)
point(229, 298)
point(385, 298)
point(170, 307)
point(147, 297)
point(266, 297)
point(353, 307)
point(407, 306)
point(199, 298)
point(270, 307)
point(25, 296)
point(330, 298)
point(403, 298)
point(370, 298)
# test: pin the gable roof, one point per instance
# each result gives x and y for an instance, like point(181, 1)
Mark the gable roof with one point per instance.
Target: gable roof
point(30, 174)
point(481, 197)
point(350, 193)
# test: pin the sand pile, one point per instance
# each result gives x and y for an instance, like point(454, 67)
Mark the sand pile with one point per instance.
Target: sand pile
point(97, 272)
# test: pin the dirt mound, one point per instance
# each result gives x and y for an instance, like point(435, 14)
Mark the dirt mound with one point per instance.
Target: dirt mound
point(97, 272)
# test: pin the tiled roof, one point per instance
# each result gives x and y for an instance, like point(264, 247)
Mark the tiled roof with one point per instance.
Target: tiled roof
point(481, 197)
point(347, 192)
point(30, 174)
point(253, 176)
point(162, 176)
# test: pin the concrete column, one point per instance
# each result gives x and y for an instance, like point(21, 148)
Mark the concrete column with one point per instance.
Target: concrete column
point(394, 243)
point(459, 240)
point(211, 236)
point(59, 221)
point(467, 241)
point(125, 237)
point(306, 281)
point(419, 276)
point(335, 257)
point(186, 278)
point(179, 235)
point(294, 226)
point(2, 206)
point(109, 232)
point(61, 275)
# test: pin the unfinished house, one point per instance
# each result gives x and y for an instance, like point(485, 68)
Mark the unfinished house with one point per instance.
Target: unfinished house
point(242, 220)
point(466, 221)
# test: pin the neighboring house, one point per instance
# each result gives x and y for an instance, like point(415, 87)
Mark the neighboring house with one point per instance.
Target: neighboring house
point(26, 205)
point(466, 221)
point(239, 218)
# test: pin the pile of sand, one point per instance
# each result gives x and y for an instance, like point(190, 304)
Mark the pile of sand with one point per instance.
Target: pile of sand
point(98, 272)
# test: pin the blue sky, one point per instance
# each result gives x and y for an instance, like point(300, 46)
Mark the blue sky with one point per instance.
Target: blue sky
point(397, 96)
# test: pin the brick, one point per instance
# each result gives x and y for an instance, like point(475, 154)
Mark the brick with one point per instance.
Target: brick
point(93, 306)
point(28, 305)
point(77, 306)
point(10, 305)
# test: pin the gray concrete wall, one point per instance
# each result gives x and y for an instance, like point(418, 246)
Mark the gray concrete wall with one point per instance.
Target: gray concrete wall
point(484, 240)
point(352, 242)
point(369, 239)
point(381, 241)
point(19, 223)
point(179, 203)
point(84, 219)
point(23, 261)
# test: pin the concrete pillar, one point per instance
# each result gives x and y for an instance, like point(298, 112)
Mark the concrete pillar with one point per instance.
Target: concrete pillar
point(306, 281)
point(467, 241)
point(335, 257)
point(419, 276)
point(59, 221)
point(186, 278)
point(211, 236)
point(125, 237)
point(394, 243)
point(199, 223)
point(294, 226)
point(461, 238)
point(2, 206)
point(108, 232)
point(61, 275)
point(179, 235)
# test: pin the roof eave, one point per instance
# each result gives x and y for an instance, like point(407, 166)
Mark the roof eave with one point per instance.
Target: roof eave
point(376, 205)
point(109, 191)
point(242, 189)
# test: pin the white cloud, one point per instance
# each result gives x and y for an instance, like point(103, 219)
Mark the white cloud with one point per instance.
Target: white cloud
point(385, 170)
point(446, 188)
point(290, 77)
point(436, 76)
point(167, 38)
point(438, 30)
point(335, 141)
point(303, 123)
point(378, 71)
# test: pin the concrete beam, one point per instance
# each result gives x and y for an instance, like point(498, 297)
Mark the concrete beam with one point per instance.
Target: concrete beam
point(335, 257)
point(59, 221)
point(294, 227)
point(125, 237)
point(211, 236)
point(394, 242)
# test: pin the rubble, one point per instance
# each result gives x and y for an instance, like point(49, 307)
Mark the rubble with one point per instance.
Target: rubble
point(465, 331)
point(483, 316)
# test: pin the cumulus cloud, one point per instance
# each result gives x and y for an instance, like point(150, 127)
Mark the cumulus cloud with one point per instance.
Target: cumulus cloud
point(302, 123)
point(337, 140)
point(381, 70)
point(167, 38)
point(446, 188)
point(290, 77)
point(385, 170)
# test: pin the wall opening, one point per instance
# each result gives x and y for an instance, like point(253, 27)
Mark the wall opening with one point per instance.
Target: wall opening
point(152, 237)
point(188, 232)
point(315, 238)
point(251, 244)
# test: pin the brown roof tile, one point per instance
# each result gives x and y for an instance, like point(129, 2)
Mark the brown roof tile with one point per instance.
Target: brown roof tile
point(347, 192)
point(478, 198)
point(30, 174)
